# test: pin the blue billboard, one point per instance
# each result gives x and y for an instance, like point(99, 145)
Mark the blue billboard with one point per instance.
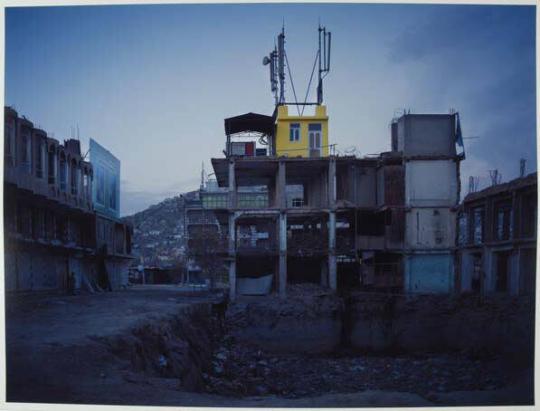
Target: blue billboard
point(106, 187)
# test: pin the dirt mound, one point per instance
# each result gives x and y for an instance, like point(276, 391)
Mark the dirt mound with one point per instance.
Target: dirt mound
point(179, 347)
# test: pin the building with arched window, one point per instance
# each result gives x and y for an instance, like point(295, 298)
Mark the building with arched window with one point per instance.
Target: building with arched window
point(52, 229)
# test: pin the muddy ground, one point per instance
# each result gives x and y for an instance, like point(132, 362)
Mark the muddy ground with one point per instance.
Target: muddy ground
point(160, 345)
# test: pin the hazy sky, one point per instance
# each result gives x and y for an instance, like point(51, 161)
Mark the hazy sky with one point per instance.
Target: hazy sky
point(153, 83)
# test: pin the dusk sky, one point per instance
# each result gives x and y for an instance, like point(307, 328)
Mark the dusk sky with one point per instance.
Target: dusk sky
point(154, 83)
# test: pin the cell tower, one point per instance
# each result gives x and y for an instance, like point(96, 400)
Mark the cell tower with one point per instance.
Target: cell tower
point(277, 58)
point(324, 59)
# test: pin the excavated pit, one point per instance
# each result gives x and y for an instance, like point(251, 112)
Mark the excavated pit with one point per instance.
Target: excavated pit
point(315, 342)
point(178, 346)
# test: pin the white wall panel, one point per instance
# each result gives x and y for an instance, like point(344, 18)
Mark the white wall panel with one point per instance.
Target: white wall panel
point(431, 183)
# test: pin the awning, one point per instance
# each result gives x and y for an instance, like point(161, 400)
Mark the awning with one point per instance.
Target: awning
point(250, 122)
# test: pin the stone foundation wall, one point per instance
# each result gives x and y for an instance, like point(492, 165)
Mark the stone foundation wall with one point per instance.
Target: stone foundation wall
point(498, 325)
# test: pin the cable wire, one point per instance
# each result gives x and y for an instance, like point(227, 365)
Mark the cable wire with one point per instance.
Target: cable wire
point(292, 84)
point(309, 84)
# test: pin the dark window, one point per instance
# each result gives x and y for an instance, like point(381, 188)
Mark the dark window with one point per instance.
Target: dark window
point(477, 225)
point(61, 233)
point(503, 220)
point(10, 140)
point(26, 151)
point(528, 215)
point(371, 223)
point(20, 218)
point(503, 267)
point(74, 178)
point(297, 202)
point(462, 227)
point(63, 171)
point(40, 151)
point(476, 279)
point(52, 167)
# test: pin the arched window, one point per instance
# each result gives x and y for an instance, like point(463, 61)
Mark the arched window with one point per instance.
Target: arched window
point(40, 156)
point(62, 171)
point(26, 150)
point(74, 177)
point(52, 164)
point(9, 147)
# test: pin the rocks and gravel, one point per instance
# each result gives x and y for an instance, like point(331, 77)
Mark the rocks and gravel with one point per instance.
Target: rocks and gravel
point(244, 371)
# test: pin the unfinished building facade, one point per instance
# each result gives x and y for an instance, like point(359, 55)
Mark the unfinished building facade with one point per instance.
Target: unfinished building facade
point(497, 242)
point(51, 230)
point(427, 144)
point(384, 222)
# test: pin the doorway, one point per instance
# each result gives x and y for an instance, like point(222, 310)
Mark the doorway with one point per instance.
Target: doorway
point(314, 133)
point(503, 268)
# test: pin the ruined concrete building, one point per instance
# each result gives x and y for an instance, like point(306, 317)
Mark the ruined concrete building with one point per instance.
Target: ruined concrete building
point(497, 242)
point(376, 222)
point(52, 229)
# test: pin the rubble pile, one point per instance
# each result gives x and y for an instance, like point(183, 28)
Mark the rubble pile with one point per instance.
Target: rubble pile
point(241, 370)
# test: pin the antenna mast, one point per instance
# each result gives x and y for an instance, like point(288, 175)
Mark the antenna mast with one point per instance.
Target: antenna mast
point(272, 61)
point(277, 59)
point(281, 65)
point(325, 40)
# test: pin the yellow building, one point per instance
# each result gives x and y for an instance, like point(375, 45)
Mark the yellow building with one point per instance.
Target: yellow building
point(301, 136)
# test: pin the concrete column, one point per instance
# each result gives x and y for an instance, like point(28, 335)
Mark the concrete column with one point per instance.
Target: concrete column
point(232, 184)
point(282, 254)
point(232, 279)
point(332, 263)
point(232, 256)
point(351, 195)
point(332, 183)
point(281, 198)
point(324, 274)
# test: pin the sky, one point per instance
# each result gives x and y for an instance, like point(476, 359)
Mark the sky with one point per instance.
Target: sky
point(153, 83)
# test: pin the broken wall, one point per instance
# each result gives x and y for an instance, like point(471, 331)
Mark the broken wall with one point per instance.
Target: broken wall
point(430, 228)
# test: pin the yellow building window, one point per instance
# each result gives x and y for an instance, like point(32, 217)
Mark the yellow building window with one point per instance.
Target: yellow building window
point(294, 132)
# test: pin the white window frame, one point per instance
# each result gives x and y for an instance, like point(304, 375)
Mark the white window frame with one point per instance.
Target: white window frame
point(294, 132)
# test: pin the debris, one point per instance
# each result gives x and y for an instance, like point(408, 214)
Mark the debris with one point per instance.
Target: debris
point(221, 356)
point(252, 372)
point(162, 361)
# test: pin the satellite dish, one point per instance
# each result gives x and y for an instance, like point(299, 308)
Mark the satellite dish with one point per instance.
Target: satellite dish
point(266, 60)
